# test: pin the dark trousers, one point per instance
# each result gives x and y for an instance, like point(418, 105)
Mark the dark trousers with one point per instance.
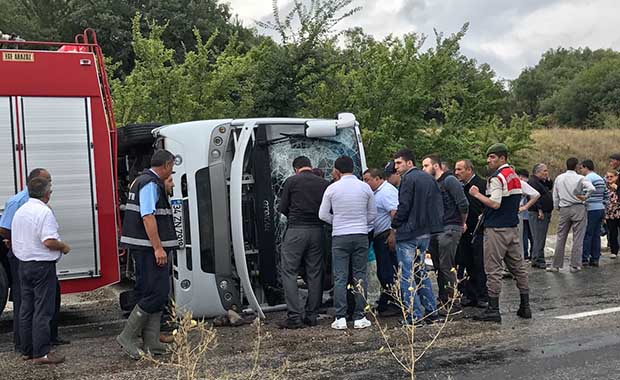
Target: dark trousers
point(17, 299)
point(613, 225)
point(54, 322)
point(539, 229)
point(154, 281)
point(387, 262)
point(592, 239)
point(527, 239)
point(472, 255)
point(349, 250)
point(302, 245)
point(38, 291)
point(443, 248)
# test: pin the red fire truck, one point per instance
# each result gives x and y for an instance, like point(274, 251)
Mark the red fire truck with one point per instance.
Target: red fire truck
point(56, 113)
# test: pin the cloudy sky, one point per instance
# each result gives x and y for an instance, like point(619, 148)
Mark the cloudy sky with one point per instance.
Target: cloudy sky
point(509, 35)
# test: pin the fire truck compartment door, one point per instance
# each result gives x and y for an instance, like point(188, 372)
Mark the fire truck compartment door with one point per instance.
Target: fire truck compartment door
point(8, 181)
point(57, 136)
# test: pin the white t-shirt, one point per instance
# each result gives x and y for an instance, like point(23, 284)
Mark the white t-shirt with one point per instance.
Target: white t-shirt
point(33, 224)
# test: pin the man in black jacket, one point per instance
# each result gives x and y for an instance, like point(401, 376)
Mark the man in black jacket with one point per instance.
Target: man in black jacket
point(471, 252)
point(419, 214)
point(443, 246)
point(299, 202)
point(540, 213)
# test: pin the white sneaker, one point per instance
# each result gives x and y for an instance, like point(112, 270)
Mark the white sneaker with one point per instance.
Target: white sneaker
point(340, 324)
point(361, 323)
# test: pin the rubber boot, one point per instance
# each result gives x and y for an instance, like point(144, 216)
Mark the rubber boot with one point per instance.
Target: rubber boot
point(491, 313)
point(524, 308)
point(150, 335)
point(128, 338)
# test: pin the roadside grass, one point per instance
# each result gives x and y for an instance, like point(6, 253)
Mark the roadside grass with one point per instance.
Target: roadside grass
point(554, 145)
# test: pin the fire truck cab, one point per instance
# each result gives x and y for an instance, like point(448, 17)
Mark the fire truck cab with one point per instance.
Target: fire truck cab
point(55, 113)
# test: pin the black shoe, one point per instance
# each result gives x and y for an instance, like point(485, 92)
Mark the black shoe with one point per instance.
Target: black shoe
point(482, 304)
point(539, 265)
point(434, 320)
point(390, 311)
point(311, 322)
point(290, 324)
point(524, 308)
point(491, 313)
point(60, 342)
point(449, 309)
point(585, 263)
point(594, 263)
point(468, 302)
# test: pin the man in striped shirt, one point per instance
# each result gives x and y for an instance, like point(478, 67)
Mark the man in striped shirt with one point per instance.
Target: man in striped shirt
point(595, 205)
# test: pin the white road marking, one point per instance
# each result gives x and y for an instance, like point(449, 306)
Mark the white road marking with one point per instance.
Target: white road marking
point(589, 313)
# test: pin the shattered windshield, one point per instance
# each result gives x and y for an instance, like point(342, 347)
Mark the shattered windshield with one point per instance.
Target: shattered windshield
point(289, 142)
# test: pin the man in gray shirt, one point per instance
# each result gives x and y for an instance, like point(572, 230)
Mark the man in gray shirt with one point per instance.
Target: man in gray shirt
point(570, 192)
point(349, 206)
point(443, 245)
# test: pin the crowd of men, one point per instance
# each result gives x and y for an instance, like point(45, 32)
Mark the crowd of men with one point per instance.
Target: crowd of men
point(30, 230)
point(477, 231)
point(474, 229)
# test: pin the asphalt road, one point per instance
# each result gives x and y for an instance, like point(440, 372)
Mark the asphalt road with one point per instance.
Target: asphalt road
point(544, 347)
point(579, 347)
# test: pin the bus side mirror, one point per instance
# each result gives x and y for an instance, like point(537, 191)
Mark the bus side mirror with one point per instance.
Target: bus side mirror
point(320, 128)
point(328, 128)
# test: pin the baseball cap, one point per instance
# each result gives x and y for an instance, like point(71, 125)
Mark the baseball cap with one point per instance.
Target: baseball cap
point(389, 168)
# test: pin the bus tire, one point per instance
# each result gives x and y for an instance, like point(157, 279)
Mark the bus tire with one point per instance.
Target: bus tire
point(135, 135)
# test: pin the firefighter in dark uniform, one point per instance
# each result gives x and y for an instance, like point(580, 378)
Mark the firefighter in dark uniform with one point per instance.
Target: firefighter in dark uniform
point(148, 231)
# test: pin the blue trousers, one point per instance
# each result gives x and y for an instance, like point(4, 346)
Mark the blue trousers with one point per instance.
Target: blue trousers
point(592, 239)
point(410, 255)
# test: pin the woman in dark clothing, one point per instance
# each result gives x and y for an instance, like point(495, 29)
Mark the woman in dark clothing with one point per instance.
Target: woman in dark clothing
point(612, 212)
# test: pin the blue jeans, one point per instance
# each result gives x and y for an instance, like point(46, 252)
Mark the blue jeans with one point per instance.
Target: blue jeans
point(592, 240)
point(410, 255)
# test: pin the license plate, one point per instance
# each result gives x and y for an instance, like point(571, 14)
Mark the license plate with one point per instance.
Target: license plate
point(177, 217)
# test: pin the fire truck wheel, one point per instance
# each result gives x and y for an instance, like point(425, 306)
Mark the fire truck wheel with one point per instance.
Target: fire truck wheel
point(134, 135)
point(4, 288)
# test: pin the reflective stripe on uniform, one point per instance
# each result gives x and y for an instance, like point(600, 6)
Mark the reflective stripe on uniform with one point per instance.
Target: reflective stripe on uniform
point(159, 211)
point(147, 243)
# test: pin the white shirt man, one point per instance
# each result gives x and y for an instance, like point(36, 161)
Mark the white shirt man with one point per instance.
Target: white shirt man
point(36, 243)
point(33, 224)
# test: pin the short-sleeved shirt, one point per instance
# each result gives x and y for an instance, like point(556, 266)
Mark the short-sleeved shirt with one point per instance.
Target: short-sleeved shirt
point(33, 224)
point(11, 207)
point(386, 199)
point(149, 194)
